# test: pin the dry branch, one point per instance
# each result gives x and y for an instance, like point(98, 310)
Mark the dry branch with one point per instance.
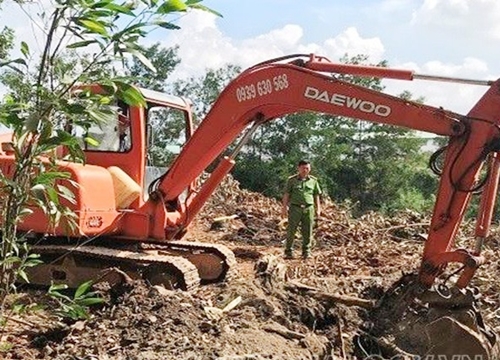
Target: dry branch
point(329, 298)
point(280, 330)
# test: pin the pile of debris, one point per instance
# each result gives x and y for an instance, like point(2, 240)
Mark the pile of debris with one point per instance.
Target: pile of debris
point(234, 321)
point(369, 246)
point(261, 223)
point(358, 257)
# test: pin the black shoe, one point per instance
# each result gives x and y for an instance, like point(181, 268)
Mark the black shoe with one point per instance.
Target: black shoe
point(288, 256)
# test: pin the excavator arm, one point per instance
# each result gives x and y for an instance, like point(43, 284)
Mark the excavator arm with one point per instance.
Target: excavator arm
point(273, 89)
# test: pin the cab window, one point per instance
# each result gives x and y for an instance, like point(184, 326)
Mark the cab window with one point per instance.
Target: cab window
point(111, 136)
point(167, 134)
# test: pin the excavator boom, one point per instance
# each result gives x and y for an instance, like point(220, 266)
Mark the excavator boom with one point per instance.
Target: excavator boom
point(273, 90)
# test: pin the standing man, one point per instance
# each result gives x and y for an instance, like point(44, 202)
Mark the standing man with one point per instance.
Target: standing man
point(301, 202)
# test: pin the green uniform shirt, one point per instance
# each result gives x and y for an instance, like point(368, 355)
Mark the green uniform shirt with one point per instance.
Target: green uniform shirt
point(302, 191)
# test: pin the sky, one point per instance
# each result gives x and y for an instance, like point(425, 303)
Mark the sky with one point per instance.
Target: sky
point(455, 38)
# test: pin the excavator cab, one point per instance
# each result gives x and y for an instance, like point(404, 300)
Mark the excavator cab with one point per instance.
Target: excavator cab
point(142, 141)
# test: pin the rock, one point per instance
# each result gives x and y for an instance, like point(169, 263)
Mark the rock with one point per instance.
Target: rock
point(160, 290)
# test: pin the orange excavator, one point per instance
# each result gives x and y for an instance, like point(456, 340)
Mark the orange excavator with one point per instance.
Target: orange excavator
point(132, 216)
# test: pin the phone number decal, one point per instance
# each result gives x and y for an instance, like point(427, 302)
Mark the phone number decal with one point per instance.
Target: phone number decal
point(262, 88)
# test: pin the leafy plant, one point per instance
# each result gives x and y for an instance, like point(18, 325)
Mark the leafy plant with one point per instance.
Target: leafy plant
point(76, 307)
point(46, 106)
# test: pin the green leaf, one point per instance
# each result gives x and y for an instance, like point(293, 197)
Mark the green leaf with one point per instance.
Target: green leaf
point(65, 138)
point(66, 193)
point(38, 187)
point(166, 25)
point(11, 260)
point(25, 212)
point(48, 178)
point(14, 61)
point(23, 275)
point(105, 100)
point(100, 116)
point(90, 301)
point(52, 194)
point(32, 262)
point(100, 4)
point(46, 131)
point(10, 64)
point(19, 71)
point(38, 191)
point(80, 44)
point(130, 94)
point(204, 8)
point(93, 26)
point(18, 308)
point(143, 60)
point(32, 122)
point(83, 288)
point(78, 312)
point(76, 108)
point(120, 9)
point(100, 14)
point(171, 6)
point(54, 291)
point(133, 29)
point(91, 141)
point(25, 49)
point(57, 287)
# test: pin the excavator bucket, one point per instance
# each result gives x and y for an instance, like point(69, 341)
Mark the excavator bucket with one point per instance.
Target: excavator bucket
point(439, 323)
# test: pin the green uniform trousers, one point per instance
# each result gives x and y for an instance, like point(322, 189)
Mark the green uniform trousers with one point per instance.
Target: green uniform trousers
point(305, 218)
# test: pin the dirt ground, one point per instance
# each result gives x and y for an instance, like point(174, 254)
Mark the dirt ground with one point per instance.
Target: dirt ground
point(322, 308)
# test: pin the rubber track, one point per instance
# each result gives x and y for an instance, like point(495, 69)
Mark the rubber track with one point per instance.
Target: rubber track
point(223, 252)
point(189, 272)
